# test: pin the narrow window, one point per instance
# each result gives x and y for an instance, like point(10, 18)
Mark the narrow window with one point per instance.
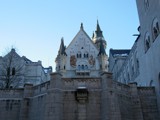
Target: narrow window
point(155, 32)
point(86, 67)
point(79, 67)
point(147, 42)
point(87, 55)
point(13, 71)
point(8, 71)
point(82, 67)
point(155, 28)
point(147, 45)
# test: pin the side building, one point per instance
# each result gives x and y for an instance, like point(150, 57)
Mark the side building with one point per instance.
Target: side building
point(143, 61)
point(15, 71)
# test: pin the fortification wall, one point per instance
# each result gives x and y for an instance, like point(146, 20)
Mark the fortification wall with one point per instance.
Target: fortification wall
point(148, 101)
point(10, 103)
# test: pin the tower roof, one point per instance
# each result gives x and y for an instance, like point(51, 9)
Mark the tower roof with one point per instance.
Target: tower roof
point(62, 48)
point(98, 32)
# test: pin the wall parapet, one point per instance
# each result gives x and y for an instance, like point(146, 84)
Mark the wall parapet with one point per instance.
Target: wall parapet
point(11, 93)
point(146, 91)
point(120, 86)
point(42, 88)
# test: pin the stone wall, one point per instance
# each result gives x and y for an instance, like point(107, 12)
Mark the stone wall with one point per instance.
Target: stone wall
point(79, 99)
point(10, 103)
point(148, 103)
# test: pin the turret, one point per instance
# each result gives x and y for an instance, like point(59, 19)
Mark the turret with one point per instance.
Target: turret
point(103, 58)
point(98, 37)
point(61, 58)
point(101, 44)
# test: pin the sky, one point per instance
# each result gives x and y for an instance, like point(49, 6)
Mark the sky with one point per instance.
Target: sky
point(35, 27)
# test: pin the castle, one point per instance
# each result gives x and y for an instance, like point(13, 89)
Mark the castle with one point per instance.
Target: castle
point(87, 85)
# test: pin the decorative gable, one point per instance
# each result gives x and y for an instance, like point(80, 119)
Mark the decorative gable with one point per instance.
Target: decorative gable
point(81, 52)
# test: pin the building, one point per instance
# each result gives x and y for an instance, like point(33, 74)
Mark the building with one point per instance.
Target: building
point(141, 64)
point(15, 71)
point(83, 86)
point(80, 89)
point(83, 57)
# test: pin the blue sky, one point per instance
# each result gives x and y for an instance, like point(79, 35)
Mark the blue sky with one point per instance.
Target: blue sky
point(35, 27)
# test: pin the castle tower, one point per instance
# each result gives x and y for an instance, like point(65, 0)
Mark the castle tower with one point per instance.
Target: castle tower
point(61, 58)
point(101, 44)
point(98, 37)
point(103, 58)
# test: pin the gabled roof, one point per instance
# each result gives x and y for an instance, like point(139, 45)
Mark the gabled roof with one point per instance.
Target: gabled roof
point(82, 30)
point(12, 53)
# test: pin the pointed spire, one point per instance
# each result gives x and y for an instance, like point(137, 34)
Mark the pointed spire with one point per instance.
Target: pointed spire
point(98, 30)
point(81, 26)
point(62, 48)
point(98, 27)
point(102, 49)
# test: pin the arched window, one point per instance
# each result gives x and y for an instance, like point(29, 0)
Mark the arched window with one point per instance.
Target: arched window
point(147, 42)
point(151, 83)
point(79, 55)
point(86, 67)
point(85, 55)
point(155, 29)
point(79, 67)
point(82, 67)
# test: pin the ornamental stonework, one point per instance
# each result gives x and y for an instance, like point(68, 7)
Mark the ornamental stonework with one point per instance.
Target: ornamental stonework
point(91, 60)
point(73, 61)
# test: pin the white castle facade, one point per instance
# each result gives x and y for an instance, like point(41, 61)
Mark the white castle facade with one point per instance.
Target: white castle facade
point(83, 56)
